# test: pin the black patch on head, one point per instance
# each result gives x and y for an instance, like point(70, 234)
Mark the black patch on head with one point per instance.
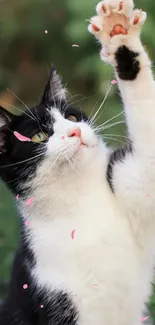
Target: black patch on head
point(128, 66)
point(116, 156)
point(19, 160)
point(67, 110)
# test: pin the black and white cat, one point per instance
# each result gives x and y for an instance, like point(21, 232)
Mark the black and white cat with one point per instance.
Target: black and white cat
point(87, 250)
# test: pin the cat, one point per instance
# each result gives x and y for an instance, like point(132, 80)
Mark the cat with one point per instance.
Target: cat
point(87, 214)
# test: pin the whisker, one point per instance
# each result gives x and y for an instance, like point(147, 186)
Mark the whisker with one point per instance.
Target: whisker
point(93, 118)
point(112, 118)
point(2, 101)
point(22, 161)
point(68, 100)
point(13, 180)
point(93, 111)
point(117, 140)
point(106, 96)
point(21, 102)
point(70, 162)
point(77, 101)
point(102, 128)
point(53, 163)
point(117, 135)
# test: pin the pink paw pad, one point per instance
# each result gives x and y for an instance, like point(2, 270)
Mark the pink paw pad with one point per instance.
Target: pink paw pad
point(117, 30)
point(136, 20)
point(104, 9)
point(96, 29)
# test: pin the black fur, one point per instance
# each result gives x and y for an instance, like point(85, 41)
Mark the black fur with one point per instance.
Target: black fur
point(18, 161)
point(35, 305)
point(128, 66)
point(117, 155)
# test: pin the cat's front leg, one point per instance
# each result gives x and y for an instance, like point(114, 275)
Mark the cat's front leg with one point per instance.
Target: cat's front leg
point(117, 26)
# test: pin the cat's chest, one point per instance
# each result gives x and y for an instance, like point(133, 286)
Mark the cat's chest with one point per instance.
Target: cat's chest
point(69, 248)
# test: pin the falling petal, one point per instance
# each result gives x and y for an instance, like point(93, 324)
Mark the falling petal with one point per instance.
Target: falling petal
point(25, 286)
point(46, 31)
point(144, 319)
point(114, 82)
point(21, 137)
point(73, 234)
point(41, 306)
point(75, 45)
point(27, 222)
point(95, 285)
point(29, 201)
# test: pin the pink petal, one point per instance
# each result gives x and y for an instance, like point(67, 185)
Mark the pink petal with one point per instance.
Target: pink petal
point(75, 45)
point(27, 222)
point(17, 197)
point(73, 234)
point(114, 82)
point(144, 318)
point(21, 137)
point(46, 31)
point(29, 201)
point(25, 286)
point(41, 306)
point(148, 195)
point(95, 285)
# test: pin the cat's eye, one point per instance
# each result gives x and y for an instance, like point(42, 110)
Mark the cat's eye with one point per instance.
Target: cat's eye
point(39, 137)
point(72, 118)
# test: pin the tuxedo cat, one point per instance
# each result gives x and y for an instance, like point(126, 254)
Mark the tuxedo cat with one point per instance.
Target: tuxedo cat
point(87, 214)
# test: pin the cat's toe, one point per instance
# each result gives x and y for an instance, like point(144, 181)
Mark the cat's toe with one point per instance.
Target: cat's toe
point(138, 18)
point(95, 25)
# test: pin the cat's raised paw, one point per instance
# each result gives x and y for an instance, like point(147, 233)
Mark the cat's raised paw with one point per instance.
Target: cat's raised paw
point(116, 20)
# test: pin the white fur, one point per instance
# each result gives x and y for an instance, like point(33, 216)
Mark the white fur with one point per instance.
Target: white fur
point(108, 266)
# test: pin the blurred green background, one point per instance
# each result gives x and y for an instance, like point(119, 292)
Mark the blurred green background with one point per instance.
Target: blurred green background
point(34, 34)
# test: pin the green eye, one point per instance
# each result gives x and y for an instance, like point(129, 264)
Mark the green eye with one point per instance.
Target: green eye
point(72, 118)
point(39, 137)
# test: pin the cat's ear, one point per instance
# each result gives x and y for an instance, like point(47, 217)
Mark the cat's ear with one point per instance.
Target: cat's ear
point(5, 121)
point(54, 90)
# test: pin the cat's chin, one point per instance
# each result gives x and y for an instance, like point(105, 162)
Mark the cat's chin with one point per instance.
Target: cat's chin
point(84, 153)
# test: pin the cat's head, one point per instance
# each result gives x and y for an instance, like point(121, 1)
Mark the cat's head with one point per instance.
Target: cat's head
point(61, 140)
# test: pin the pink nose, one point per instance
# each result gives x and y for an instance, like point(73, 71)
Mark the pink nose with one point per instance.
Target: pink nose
point(75, 133)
